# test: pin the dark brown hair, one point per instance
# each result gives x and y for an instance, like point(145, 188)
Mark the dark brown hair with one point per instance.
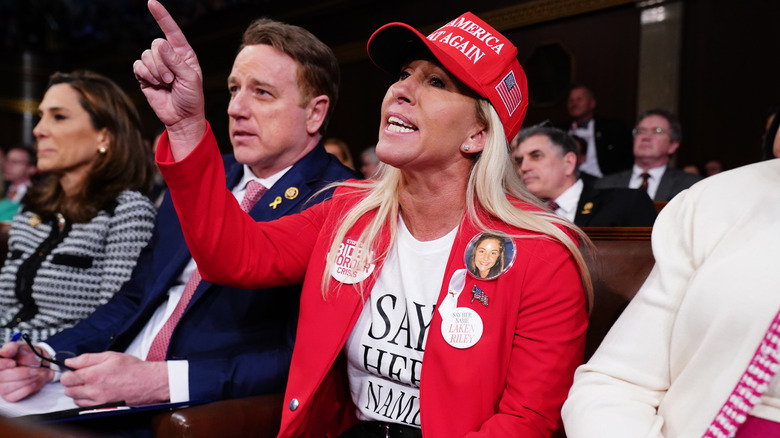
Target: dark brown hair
point(319, 70)
point(124, 166)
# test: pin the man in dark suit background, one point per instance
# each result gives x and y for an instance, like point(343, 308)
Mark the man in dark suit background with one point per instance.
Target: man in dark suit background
point(227, 343)
point(609, 141)
point(657, 136)
point(546, 160)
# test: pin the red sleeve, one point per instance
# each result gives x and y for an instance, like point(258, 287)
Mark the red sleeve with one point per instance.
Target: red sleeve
point(549, 343)
point(229, 247)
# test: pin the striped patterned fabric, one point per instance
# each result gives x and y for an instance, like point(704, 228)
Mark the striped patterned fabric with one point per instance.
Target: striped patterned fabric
point(83, 271)
point(751, 386)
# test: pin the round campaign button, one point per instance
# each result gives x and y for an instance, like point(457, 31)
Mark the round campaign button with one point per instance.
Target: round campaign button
point(461, 327)
point(352, 263)
point(489, 255)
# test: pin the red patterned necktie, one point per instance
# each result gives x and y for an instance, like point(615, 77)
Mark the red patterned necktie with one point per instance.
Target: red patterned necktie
point(553, 205)
point(159, 348)
point(645, 176)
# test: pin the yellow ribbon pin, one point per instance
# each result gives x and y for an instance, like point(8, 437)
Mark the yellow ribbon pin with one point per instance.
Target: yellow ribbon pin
point(276, 202)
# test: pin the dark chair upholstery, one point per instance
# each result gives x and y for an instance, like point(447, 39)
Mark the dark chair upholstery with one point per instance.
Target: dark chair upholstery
point(623, 259)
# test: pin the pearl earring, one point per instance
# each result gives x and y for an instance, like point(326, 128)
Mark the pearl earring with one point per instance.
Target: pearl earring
point(102, 150)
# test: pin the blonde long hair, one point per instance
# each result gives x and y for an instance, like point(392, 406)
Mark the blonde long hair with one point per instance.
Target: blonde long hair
point(484, 192)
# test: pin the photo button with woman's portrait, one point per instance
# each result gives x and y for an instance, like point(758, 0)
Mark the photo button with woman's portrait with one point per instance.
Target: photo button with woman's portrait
point(489, 255)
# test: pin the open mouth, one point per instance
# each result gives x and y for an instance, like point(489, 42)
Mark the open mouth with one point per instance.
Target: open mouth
point(395, 124)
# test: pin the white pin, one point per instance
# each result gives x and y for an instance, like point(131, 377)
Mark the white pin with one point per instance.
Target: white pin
point(461, 327)
point(352, 264)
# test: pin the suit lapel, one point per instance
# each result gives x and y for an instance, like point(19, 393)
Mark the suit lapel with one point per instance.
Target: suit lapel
point(665, 186)
point(287, 195)
point(234, 173)
point(586, 206)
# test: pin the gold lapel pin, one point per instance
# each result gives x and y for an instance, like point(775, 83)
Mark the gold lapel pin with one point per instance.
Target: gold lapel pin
point(276, 202)
point(291, 193)
point(586, 209)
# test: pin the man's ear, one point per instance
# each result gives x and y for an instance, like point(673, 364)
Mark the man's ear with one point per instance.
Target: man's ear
point(570, 162)
point(673, 147)
point(316, 110)
point(475, 141)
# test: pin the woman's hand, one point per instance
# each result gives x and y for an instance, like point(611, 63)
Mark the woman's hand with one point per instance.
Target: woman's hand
point(20, 372)
point(172, 81)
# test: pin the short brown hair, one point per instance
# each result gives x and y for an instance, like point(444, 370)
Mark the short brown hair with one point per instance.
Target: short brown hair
point(126, 164)
point(319, 73)
point(675, 127)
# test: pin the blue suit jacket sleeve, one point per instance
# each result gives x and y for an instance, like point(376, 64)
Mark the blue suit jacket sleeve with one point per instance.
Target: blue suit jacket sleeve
point(237, 342)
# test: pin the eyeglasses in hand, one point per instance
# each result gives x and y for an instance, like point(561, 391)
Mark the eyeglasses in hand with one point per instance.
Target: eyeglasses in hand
point(58, 360)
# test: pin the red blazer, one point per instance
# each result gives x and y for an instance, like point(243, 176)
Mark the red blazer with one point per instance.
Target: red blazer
point(511, 383)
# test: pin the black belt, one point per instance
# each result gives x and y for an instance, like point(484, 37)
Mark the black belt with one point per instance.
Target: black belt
point(382, 429)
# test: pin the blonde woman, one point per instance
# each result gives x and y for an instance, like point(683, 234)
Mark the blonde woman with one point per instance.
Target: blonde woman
point(395, 336)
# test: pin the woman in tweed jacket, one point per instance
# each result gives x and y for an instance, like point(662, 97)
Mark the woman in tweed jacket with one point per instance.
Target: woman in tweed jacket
point(79, 232)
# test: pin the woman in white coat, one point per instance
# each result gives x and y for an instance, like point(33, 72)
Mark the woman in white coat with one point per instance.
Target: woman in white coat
point(696, 352)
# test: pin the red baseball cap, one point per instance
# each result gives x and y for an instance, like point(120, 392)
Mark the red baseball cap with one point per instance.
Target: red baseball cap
point(468, 48)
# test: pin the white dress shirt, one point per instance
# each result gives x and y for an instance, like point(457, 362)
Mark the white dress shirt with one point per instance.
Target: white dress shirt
point(588, 133)
point(568, 200)
point(652, 183)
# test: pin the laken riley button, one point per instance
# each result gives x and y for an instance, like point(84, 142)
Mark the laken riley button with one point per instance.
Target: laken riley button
point(462, 327)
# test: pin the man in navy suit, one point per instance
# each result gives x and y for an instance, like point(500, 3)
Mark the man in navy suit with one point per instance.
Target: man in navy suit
point(227, 343)
point(656, 137)
point(546, 160)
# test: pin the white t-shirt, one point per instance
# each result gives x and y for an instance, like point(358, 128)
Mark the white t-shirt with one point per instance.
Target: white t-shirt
point(385, 348)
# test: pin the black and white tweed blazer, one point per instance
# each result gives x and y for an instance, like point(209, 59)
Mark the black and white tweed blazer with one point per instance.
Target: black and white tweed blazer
point(77, 269)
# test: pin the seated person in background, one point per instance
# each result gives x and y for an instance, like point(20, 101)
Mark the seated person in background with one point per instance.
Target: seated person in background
point(339, 148)
point(78, 236)
point(546, 160)
point(656, 137)
point(228, 342)
point(695, 353)
point(8, 210)
point(609, 141)
point(18, 168)
point(582, 150)
point(386, 291)
point(692, 169)
point(713, 167)
point(369, 163)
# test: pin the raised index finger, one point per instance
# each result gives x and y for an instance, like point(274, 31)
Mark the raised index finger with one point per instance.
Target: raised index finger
point(172, 32)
